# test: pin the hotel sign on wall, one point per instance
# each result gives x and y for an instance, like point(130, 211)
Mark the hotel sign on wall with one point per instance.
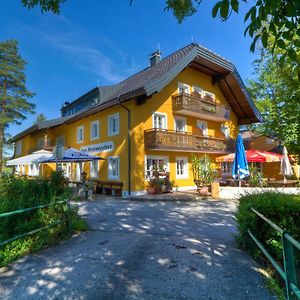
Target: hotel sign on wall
point(96, 148)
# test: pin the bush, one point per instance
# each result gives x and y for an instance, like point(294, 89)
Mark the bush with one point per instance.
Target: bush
point(282, 209)
point(23, 193)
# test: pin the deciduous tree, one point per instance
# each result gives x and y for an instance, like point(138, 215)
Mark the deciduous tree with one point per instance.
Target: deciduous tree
point(276, 92)
point(14, 95)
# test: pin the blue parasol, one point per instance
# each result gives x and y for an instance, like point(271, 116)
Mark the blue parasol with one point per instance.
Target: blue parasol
point(240, 169)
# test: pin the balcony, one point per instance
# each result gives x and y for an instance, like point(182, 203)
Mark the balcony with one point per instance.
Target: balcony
point(198, 107)
point(156, 139)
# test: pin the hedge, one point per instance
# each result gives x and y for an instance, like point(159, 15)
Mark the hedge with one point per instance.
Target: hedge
point(282, 209)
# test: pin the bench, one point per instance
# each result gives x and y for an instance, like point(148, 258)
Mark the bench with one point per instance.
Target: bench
point(113, 188)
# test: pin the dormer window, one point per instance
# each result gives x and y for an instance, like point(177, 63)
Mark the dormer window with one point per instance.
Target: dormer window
point(183, 88)
point(209, 96)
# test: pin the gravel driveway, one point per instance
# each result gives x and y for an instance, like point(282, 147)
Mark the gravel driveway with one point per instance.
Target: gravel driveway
point(142, 250)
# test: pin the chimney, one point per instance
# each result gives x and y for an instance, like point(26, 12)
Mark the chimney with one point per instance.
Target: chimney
point(155, 58)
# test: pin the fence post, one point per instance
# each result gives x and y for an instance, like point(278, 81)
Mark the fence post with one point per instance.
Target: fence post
point(289, 266)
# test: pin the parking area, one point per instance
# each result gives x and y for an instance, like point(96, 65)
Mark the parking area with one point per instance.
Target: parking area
point(142, 250)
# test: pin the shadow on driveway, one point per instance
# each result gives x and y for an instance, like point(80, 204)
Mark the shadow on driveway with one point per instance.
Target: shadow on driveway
point(142, 250)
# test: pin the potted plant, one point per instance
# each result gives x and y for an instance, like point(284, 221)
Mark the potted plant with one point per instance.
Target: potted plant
point(203, 173)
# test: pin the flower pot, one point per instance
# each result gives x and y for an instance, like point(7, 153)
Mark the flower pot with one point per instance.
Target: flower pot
point(203, 191)
point(150, 190)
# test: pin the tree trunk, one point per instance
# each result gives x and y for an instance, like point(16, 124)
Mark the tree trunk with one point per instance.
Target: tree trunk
point(2, 125)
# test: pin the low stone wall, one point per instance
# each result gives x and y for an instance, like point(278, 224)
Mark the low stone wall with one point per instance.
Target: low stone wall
point(227, 192)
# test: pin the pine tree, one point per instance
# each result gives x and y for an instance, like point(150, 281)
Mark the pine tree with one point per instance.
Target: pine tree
point(14, 96)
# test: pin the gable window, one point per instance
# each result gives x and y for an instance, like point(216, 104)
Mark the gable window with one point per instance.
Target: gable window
point(180, 124)
point(113, 167)
point(94, 130)
point(202, 125)
point(94, 169)
point(18, 147)
point(155, 164)
point(181, 167)
point(209, 96)
point(197, 92)
point(80, 134)
point(159, 121)
point(183, 88)
point(113, 124)
point(60, 140)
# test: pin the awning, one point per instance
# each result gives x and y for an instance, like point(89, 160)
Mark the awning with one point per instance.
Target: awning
point(72, 155)
point(34, 158)
point(253, 156)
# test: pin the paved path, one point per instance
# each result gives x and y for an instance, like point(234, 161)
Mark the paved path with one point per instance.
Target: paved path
point(142, 250)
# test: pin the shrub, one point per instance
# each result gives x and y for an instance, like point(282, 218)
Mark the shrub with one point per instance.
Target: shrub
point(282, 209)
point(23, 193)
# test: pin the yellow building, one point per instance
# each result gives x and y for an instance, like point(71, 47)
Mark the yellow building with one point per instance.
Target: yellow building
point(192, 101)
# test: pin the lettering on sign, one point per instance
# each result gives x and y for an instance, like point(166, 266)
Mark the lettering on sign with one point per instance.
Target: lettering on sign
point(103, 147)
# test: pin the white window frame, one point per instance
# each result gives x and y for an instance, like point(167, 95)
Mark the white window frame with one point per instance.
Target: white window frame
point(225, 130)
point(206, 93)
point(184, 85)
point(180, 119)
point(227, 164)
point(18, 148)
point(110, 175)
point(165, 125)
point(205, 131)
point(198, 89)
point(62, 137)
point(77, 134)
point(110, 132)
point(162, 157)
point(94, 172)
point(185, 174)
point(97, 123)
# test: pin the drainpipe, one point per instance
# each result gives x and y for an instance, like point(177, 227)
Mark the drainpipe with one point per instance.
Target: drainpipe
point(129, 143)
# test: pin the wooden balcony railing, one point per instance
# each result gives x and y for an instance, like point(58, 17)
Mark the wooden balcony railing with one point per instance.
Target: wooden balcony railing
point(190, 105)
point(156, 139)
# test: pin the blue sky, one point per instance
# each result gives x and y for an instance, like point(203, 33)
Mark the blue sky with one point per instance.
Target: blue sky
point(102, 42)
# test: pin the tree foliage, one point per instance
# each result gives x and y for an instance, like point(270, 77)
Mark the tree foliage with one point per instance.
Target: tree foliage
point(276, 92)
point(14, 95)
point(40, 118)
point(45, 5)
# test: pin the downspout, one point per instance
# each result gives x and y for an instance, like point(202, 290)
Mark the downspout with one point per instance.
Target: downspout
point(129, 143)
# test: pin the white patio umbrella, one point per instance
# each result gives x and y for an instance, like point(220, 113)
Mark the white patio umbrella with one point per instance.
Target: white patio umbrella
point(285, 167)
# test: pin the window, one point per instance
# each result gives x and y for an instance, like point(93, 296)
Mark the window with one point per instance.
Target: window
point(60, 140)
point(113, 124)
point(225, 130)
point(80, 134)
point(41, 142)
point(113, 167)
point(180, 124)
point(18, 147)
point(94, 169)
point(159, 121)
point(226, 167)
point(203, 126)
point(156, 164)
point(197, 91)
point(181, 167)
point(183, 88)
point(95, 130)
